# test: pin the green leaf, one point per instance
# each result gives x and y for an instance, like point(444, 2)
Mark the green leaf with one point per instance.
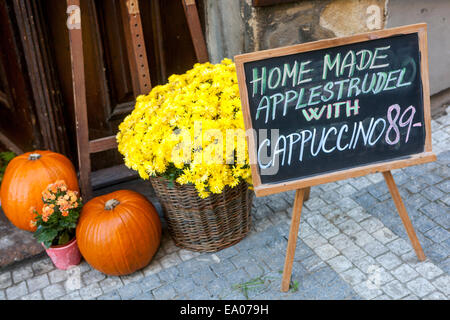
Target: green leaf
point(64, 238)
point(47, 235)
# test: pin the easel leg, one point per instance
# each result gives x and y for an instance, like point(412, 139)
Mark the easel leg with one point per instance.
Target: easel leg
point(404, 215)
point(306, 196)
point(292, 242)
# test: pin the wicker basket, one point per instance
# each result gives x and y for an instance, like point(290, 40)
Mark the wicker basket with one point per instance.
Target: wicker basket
point(205, 225)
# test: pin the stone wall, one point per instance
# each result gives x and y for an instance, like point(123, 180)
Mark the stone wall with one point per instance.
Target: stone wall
point(235, 26)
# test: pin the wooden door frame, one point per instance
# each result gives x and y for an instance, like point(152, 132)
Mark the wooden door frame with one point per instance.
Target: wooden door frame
point(44, 84)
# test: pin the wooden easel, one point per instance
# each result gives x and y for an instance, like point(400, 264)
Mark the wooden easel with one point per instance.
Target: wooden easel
point(301, 196)
point(139, 70)
point(302, 185)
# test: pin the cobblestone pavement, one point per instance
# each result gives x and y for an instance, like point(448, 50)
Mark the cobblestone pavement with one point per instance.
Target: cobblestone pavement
point(352, 245)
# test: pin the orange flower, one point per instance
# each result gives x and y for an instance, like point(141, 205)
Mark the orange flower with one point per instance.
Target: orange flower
point(47, 212)
point(64, 213)
point(32, 223)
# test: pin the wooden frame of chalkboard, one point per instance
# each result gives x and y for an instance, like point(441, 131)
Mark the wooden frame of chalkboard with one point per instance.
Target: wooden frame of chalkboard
point(421, 153)
point(263, 189)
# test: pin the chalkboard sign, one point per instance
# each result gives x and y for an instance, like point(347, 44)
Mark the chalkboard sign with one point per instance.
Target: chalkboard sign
point(338, 108)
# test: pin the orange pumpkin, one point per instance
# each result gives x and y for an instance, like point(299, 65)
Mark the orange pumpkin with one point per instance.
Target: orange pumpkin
point(25, 178)
point(118, 233)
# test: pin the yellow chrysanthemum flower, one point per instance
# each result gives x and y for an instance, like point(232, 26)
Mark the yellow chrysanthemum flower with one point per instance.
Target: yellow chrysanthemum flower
point(181, 130)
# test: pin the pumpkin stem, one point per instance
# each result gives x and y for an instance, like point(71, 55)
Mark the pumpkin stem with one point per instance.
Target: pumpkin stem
point(34, 156)
point(111, 204)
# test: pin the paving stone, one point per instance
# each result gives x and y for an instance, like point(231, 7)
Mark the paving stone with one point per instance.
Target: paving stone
point(134, 277)
point(362, 238)
point(375, 248)
point(340, 264)
point(22, 273)
point(241, 260)
point(166, 292)
point(383, 297)
point(199, 294)
point(110, 283)
point(367, 290)
point(152, 268)
point(57, 275)
point(360, 182)
point(151, 282)
point(384, 235)
point(74, 295)
point(389, 260)
point(2, 295)
point(446, 200)
point(314, 241)
point(170, 260)
point(305, 230)
point(432, 193)
point(336, 216)
point(16, 291)
point(420, 287)
point(92, 277)
point(423, 223)
point(53, 291)
point(435, 296)
point(366, 200)
point(168, 245)
point(358, 214)
point(404, 273)
point(435, 252)
point(443, 221)
point(314, 203)
point(42, 266)
point(91, 291)
point(113, 295)
point(365, 263)
point(38, 282)
point(338, 290)
point(350, 227)
point(184, 286)
point(130, 290)
point(254, 270)
point(443, 284)
point(346, 190)
point(37, 295)
point(353, 276)
point(434, 210)
point(313, 263)
point(411, 297)
point(278, 204)
point(323, 226)
point(375, 178)
point(341, 241)
point(302, 251)
point(346, 203)
point(5, 279)
point(414, 186)
point(171, 274)
point(396, 290)
point(445, 265)
point(186, 255)
point(353, 252)
point(428, 270)
point(438, 234)
point(326, 251)
point(219, 288)
point(145, 296)
point(379, 275)
point(203, 276)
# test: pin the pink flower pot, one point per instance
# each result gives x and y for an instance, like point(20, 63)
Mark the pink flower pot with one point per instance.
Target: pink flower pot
point(65, 256)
